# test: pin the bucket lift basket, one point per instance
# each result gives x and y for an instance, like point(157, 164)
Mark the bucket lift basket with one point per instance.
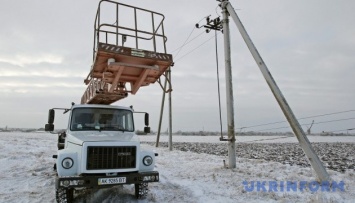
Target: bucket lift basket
point(129, 52)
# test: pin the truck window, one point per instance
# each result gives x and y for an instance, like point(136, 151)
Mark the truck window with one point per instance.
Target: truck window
point(84, 119)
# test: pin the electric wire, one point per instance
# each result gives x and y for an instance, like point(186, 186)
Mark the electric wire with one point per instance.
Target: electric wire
point(180, 48)
point(216, 11)
point(194, 49)
point(276, 138)
point(187, 42)
point(331, 121)
point(343, 119)
point(285, 137)
point(315, 116)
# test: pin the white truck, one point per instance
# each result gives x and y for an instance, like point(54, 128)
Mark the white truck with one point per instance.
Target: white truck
point(100, 149)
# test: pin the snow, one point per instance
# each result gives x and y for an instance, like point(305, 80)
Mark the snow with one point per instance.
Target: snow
point(27, 175)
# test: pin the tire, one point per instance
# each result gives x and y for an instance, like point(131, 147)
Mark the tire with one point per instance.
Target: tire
point(141, 190)
point(64, 195)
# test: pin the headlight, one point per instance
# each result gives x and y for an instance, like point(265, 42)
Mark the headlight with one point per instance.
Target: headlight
point(67, 163)
point(147, 160)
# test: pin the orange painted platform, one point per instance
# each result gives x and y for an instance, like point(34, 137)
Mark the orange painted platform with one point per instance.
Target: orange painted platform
point(129, 70)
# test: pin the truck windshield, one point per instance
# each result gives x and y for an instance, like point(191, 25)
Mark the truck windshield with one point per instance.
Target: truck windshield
point(84, 119)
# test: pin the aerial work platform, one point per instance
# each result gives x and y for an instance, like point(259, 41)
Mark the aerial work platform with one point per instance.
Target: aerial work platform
point(125, 57)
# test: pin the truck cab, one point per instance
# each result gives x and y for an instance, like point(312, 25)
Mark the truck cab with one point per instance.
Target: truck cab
point(100, 149)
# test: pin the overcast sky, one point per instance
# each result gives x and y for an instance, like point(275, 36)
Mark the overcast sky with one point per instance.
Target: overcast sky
point(308, 46)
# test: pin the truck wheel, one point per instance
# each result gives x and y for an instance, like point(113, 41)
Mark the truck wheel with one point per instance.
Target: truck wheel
point(141, 190)
point(64, 195)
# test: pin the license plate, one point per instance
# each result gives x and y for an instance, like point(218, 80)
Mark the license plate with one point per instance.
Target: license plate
point(108, 181)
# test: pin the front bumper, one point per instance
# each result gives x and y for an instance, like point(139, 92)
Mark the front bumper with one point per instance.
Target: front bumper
point(93, 181)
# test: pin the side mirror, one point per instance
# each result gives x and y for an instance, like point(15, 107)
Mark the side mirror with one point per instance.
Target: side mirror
point(146, 123)
point(146, 129)
point(51, 116)
point(49, 127)
point(146, 119)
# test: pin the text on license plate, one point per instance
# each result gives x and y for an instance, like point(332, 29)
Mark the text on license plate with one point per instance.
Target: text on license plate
point(107, 181)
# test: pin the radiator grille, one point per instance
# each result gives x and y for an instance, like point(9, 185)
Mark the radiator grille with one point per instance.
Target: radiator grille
point(121, 157)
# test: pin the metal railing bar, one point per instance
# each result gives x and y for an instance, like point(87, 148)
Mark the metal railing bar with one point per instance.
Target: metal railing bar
point(128, 29)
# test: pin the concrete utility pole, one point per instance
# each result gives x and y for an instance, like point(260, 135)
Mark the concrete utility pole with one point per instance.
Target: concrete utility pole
point(229, 90)
point(170, 114)
point(296, 127)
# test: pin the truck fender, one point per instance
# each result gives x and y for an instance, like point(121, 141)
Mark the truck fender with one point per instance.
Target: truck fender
point(64, 166)
point(142, 166)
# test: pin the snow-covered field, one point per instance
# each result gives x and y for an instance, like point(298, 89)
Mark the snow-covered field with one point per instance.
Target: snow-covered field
point(26, 175)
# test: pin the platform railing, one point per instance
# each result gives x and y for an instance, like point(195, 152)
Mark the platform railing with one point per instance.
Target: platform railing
point(111, 33)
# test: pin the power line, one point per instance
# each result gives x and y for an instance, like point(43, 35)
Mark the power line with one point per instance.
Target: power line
point(337, 120)
point(273, 128)
point(195, 48)
point(276, 138)
point(344, 119)
point(214, 24)
point(328, 114)
point(187, 42)
point(315, 116)
point(188, 37)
